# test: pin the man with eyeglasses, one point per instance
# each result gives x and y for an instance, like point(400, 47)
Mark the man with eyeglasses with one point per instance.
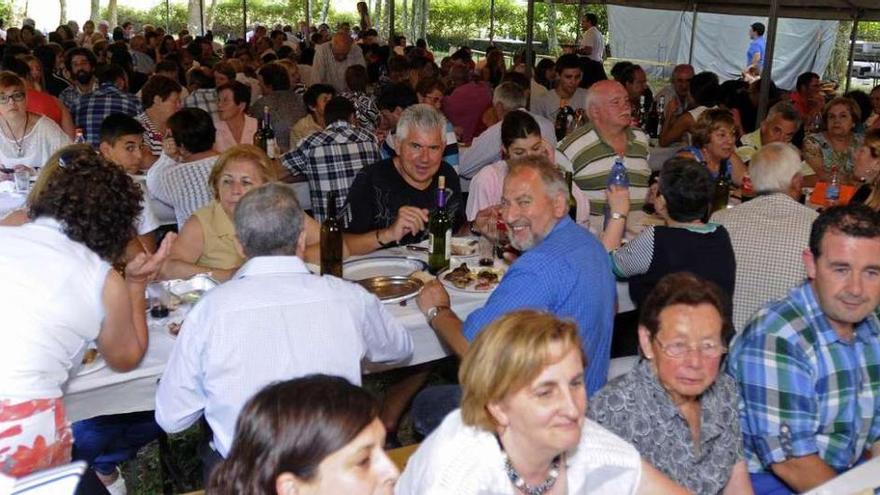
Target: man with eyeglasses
point(807, 364)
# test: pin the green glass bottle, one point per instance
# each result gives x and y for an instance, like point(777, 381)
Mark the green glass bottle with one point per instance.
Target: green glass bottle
point(439, 232)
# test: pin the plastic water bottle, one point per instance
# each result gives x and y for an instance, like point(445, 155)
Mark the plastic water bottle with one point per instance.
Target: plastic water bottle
point(617, 177)
point(79, 137)
point(832, 192)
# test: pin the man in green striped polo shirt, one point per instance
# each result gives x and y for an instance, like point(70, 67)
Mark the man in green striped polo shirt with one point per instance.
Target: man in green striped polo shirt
point(593, 148)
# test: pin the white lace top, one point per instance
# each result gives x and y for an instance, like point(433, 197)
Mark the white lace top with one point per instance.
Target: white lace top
point(44, 138)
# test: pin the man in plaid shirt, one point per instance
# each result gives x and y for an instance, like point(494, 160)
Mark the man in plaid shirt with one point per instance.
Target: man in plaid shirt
point(331, 159)
point(110, 97)
point(808, 365)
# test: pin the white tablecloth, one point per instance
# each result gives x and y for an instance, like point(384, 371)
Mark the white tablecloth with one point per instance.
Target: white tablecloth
point(10, 201)
point(104, 391)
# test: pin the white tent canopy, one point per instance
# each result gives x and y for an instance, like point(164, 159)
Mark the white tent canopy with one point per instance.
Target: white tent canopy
point(720, 42)
point(866, 10)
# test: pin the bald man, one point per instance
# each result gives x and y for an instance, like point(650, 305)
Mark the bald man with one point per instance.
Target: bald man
point(332, 59)
point(593, 148)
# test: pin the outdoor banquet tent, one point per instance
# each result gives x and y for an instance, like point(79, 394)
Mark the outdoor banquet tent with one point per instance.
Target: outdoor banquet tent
point(855, 10)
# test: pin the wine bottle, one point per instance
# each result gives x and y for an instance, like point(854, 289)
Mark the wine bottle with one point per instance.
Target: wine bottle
point(258, 136)
point(268, 134)
point(572, 203)
point(331, 240)
point(439, 232)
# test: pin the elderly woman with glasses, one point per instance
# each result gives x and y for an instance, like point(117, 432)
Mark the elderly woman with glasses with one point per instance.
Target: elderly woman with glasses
point(521, 428)
point(26, 138)
point(674, 406)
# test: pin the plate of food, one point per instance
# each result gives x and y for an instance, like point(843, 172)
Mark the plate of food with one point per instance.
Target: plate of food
point(471, 277)
point(392, 289)
point(381, 266)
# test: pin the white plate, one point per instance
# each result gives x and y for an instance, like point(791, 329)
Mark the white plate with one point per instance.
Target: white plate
point(96, 365)
point(383, 266)
point(500, 268)
point(462, 247)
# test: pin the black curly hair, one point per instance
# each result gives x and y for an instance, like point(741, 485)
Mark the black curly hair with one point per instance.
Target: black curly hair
point(96, 202)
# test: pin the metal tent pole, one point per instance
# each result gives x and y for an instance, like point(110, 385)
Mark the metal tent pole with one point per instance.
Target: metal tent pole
point(852, 46)
point(491, 21)
point(530, 37)
point(767, 70)
point(693, 35)
point(244, 19)
point(390, 11)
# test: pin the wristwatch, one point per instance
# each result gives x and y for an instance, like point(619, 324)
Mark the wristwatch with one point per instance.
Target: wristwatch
point(615, 215)
point(433, 312)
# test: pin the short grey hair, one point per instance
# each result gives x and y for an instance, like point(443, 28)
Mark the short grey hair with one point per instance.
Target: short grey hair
point(269, 221)
point(773, 166)
point(551, 176)
point(785, 110)
point(510, 95)
point(423, 116)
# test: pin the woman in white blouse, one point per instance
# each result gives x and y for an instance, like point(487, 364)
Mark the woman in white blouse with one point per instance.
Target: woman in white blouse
point(26, 138)
point(521, 427)
point(234, 126)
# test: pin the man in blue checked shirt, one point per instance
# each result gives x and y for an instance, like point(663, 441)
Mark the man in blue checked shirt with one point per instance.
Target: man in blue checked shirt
point(112, 96)
point(808, 365)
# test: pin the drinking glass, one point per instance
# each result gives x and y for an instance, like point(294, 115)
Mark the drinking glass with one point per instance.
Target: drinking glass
point(22, 179)
point(487, 245)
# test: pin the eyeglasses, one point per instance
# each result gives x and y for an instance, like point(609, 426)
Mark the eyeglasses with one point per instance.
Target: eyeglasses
point(65, 159)
point(708, 349)
point(17, 97)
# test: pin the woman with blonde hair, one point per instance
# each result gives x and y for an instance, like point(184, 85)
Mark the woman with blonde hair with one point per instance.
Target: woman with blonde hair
point(26, 138)
point(521, 427)
point(207, 240)
point(866, 169)
point(713, 140)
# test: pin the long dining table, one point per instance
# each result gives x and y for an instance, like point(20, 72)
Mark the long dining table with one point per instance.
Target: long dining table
point(96, 390)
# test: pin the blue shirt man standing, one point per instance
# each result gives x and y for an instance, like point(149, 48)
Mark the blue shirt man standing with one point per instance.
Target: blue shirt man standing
point(755, 53)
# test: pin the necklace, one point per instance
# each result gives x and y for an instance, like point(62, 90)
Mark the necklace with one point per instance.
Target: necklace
point(19, 142)
point(521, 484)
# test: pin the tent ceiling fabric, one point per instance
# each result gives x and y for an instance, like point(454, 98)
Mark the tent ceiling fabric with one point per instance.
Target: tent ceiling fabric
point(840, 10)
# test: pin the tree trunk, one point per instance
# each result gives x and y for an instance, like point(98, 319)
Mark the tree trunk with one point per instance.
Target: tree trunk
point(552, 41)
point(377, 18)
point(325, 9)
point(95, 10)
point(426, 9)
point(209, 15)
point(62, 19)
point(405, 17)
point(112, 14)
point(193, 21)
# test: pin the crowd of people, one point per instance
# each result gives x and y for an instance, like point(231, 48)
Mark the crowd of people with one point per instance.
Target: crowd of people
point(757, 325)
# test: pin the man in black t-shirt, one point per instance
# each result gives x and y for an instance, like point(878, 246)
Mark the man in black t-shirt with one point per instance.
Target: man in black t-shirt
point(389, 200)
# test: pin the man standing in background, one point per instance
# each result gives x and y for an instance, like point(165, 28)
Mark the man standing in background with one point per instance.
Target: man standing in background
point(592, 43)
point(755, 53)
